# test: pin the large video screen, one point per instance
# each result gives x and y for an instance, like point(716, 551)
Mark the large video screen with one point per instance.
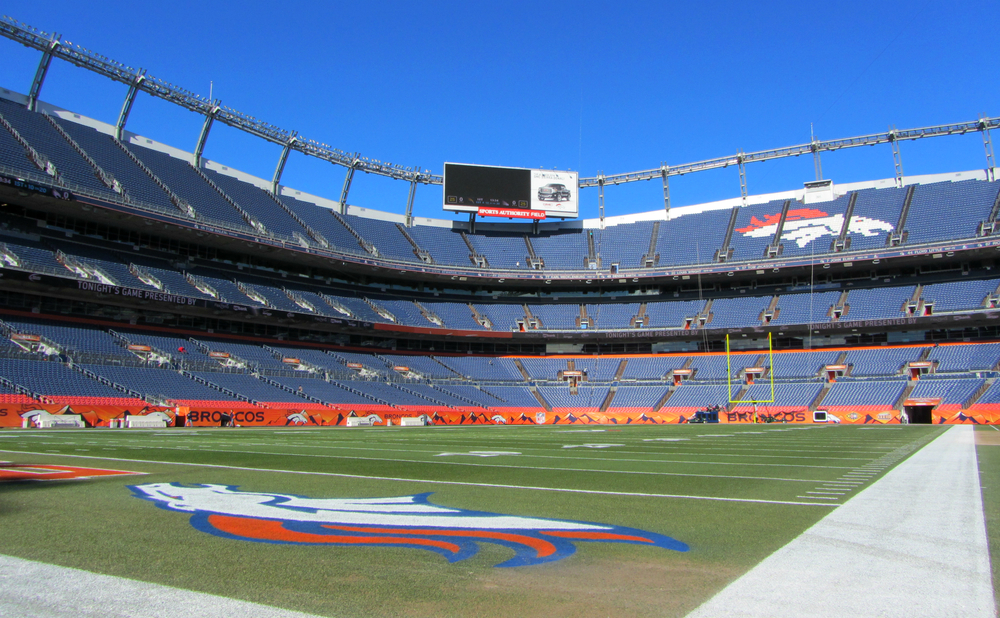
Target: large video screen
point(510, 191)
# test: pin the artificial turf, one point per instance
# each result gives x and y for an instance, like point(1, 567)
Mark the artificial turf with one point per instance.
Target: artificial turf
point(733, 494)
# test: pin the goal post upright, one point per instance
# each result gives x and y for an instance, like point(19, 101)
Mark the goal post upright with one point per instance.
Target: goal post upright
point(729, 373)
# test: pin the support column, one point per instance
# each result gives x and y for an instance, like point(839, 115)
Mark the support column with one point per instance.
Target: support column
point(280, 168)
point(43, 69)
point(988, 145)
point(814, 146)
point(666, 188)
point(896, 158)
point(203, 137)
point(743, 176)
point(347, 187)
point(133, 90)
point(409, 203)
point(600, 197)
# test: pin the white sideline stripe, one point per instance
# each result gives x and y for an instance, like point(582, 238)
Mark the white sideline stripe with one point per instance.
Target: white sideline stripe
point(911, 544)
point(435, 482)
point(30, 589)
point(490, 465)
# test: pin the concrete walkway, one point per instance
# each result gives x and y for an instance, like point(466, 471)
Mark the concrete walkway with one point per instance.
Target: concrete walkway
point(912, 544)
point(31, 589)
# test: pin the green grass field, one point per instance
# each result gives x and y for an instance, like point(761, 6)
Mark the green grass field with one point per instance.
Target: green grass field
point(732, 494)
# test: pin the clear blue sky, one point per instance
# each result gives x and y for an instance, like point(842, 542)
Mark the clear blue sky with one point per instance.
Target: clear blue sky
point(588, 86)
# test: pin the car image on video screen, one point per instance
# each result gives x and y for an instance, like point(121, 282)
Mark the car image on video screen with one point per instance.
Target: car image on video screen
point(554, 191)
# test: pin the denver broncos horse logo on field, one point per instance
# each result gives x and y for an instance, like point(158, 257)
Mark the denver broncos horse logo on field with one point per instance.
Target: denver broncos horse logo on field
point(404, 521)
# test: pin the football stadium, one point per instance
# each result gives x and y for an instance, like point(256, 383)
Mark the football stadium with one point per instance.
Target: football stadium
point(224, 395)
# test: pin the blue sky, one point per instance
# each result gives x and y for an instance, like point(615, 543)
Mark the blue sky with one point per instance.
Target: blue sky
point(587, 86)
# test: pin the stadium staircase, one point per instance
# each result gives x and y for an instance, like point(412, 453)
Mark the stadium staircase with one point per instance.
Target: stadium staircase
point(319, 238)
point(474, 256)
point(20, 390)
point(147, 277)
point(252, 222)
point(429, 315)
point(364, 244)
point(306, 367)
point(187, 374)
point(823, 392)
point(608, 399)
point(738, 397)
point(910, 385)
point(639, 319)
point(422, 254)
point(530, 321)
point(974, 398)
point(105, 177)
point(482, 319)
point(914, 306)
point(299, 300)
point(843, 241)
point(990, 226)
point(106, 382)
point(771, 311)
point(775, 248)
point(899, 234)
point(520, 367)
point(651, 258)
point(541, 400)
point(705, 316)
point(204, 287)
point(593, 257)
point(382, 311)
point(253, 294)
point(41, 161)
point(533, 260)
point(583, 318)
point(839, 308)
point(337, 306)
point(289, 389)
point(725, 253)
point(621, 370)
point(181, 204)
point(663, 400)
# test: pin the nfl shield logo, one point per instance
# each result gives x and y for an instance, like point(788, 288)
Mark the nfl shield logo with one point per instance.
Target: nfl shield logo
point(540, 418)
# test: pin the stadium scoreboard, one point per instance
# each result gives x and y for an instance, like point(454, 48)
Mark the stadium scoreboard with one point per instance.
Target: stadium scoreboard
point(512, 192)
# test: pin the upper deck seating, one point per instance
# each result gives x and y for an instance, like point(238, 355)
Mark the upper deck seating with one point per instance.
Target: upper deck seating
point(113, 160)
point(445, 245)
point(755, 227)
point(876, 213)
point(184, 181)
point(45, 139)
point(949, 210)
point(692, 238)
point(258, 203)
point(563, 250)
point(810, 230)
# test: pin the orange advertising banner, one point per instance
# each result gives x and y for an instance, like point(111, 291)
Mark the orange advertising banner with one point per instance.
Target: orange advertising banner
point(25, 415)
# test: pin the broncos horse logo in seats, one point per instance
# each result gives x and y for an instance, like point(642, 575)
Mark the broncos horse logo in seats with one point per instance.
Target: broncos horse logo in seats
point(403, 521)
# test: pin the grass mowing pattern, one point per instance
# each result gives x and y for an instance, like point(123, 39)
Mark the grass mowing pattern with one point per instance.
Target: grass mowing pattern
point(747, 490)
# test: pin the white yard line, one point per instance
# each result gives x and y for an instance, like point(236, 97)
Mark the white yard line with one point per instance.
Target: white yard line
point(912, 544)
point(30, 589)
point(431, 481)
